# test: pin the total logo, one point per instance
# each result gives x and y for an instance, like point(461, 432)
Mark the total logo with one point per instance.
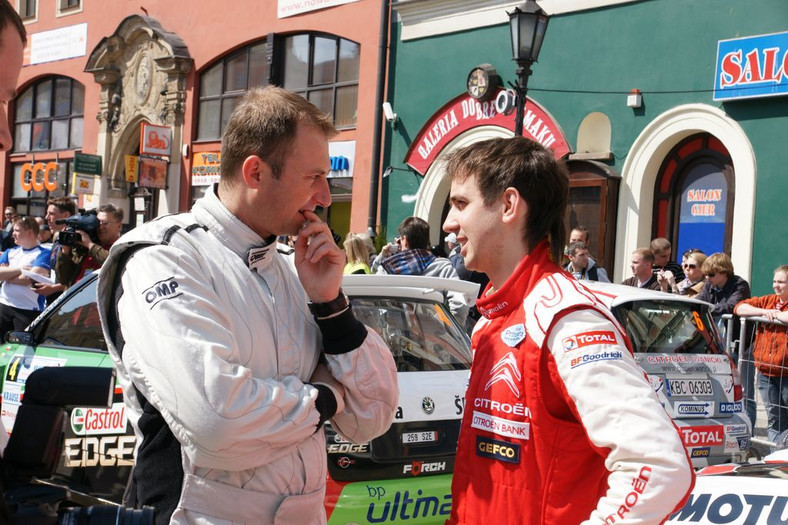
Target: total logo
point(420, 467)
point(596, 337)
point(98, 421)
point(703, 436)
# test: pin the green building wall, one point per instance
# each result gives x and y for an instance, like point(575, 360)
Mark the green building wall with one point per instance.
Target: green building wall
point(589, 61)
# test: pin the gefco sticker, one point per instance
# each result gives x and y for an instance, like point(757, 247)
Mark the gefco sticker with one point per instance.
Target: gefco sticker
point(596, 337)
point(736, 501)
point(99, 421)
point(498, 450)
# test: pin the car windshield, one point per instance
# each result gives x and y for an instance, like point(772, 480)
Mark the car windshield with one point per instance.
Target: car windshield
point(75, 323)
point(422, 335)
point(668, 327)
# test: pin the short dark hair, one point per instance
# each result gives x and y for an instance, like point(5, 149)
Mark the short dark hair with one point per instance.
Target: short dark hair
point(114, 211)
point(28, 223)
point(574, 246)
point(63, 204)
point(264, 123)
point(525, 165)
point(9, 16)
point(417, 231)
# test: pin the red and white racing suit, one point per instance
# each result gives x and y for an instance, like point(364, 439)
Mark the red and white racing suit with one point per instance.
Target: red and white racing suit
point(561, 425)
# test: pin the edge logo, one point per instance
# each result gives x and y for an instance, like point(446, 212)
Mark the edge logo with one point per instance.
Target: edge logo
point(159, 291)
point(498, 450)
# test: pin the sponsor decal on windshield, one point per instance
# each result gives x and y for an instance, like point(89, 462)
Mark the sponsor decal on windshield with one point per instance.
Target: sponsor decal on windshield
point(99, 421)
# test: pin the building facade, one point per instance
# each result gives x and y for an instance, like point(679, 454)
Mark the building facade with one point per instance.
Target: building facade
point(671, 117)
point(125, 102)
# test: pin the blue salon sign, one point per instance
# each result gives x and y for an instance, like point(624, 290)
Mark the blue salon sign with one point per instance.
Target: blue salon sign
point(755, 66)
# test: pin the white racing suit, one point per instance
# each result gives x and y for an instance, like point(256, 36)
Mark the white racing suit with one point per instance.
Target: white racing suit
point(215, 350)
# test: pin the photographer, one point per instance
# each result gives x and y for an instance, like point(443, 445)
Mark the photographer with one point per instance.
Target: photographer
point(87, 254)
point(58, 210)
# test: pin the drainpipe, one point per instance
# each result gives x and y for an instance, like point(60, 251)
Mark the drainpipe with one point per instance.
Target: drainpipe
point(376, 140)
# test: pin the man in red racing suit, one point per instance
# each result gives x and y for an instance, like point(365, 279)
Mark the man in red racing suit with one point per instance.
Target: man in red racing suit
point(561, 425)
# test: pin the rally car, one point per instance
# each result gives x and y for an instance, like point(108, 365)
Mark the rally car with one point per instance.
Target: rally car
point(404, 474)
point(675, 340)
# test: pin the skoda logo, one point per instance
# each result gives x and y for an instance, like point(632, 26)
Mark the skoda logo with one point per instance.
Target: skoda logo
point(428, 405)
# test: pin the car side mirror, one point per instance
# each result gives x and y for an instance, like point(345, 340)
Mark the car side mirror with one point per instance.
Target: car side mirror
point(21, 338)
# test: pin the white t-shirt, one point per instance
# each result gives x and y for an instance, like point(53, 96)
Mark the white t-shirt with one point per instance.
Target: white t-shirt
point(16, 295)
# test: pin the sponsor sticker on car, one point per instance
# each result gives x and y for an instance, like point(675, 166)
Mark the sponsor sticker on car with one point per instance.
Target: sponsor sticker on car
point(730, 408)
point(99, 421)
point(694, 408)
point(702, 436)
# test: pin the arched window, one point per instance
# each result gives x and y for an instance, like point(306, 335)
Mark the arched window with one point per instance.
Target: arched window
point(324, 69)
point(222, 85)
point(49, 116)
point(694, 196)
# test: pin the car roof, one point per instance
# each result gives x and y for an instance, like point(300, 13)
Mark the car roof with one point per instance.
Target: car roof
point(412, 286)
point(617, 294)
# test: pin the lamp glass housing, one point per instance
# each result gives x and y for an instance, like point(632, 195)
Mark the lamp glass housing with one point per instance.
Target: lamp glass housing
point(528, 24)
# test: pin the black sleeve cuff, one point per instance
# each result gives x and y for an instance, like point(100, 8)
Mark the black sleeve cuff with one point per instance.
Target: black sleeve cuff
point(343, 333)
point(326, 403)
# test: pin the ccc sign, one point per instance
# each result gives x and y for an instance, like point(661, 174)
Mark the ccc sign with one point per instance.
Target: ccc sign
point(48, 178)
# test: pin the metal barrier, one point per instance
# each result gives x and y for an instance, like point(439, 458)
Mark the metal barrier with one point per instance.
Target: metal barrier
point(740, 344)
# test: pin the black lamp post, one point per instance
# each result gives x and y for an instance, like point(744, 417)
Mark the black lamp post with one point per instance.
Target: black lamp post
point(528, 24)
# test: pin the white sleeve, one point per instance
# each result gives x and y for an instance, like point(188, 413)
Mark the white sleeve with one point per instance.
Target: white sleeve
point(183, 357)
point(369, 377)
point(650, 473)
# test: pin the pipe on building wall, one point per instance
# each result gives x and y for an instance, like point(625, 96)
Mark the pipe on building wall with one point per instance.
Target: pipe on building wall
point(374, 183)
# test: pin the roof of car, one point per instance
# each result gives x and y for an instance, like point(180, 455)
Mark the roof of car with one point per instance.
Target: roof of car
point(414, 286)
point(616, 294)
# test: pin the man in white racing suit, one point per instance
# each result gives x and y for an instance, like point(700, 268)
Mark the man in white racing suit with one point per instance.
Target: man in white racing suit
point(231, 354)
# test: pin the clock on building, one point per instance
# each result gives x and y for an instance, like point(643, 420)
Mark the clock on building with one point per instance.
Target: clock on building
point(483, 82)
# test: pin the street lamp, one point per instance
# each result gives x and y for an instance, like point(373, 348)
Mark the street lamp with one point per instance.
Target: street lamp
point(528, 24)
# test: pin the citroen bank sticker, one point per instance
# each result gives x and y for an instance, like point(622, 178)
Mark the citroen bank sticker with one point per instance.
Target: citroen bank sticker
point(513, 335)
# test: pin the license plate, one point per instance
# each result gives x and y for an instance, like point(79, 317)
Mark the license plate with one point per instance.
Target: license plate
point(427, 436)
point(690, 387)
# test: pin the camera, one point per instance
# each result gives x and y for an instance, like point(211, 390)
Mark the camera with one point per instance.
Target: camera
point(36, 444)
point(87, 222)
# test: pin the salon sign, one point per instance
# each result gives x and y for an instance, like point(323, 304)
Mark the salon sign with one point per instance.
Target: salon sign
point(464, 113)
point(755, 66)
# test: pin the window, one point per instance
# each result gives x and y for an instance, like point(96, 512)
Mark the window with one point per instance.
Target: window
point(67, 4)
point(76, 323)
point(69, 7)
point(222, 85)
point(49, 116)
point(27, 8)
point(325, 70)
point(694, 196)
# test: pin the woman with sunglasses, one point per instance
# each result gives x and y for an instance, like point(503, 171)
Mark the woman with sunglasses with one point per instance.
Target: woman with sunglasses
point(691, 285)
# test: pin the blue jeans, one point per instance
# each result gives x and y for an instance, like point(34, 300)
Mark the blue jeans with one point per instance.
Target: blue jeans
point(774, 392)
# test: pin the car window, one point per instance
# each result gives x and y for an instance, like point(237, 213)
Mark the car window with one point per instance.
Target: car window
point(668, 327)
point(422, 335)
point(75, 322)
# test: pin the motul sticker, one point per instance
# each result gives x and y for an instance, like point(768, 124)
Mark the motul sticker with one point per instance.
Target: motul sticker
point(703, 436)
point(597, 337)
